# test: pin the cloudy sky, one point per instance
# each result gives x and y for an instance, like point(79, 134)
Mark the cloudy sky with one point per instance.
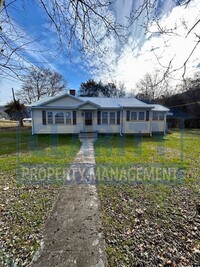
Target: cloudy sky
point(144, 50)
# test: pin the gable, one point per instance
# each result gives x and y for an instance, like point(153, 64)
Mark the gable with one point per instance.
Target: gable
point(65, 101)
point(88, 105)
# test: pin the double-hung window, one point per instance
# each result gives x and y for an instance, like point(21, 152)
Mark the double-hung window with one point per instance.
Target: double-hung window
point(155, 116)
point(104, 117)
point(133, 115)
point(141, 116)
point(59, 118)
point(161, 116)
point(50, 117)
point(68, 117)
point(112, 117)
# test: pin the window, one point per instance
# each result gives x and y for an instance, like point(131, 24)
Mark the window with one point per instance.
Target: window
point(68, 118)
point(155, 116)
point(158, 116)
point(141, 116)
point(104, 117)
point(133, 116)
point(59, 118)
point(112, 117)
point(50, 117)
point(161, 116)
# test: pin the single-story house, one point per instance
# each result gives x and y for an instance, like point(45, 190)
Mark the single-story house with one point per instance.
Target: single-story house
point(68, 113)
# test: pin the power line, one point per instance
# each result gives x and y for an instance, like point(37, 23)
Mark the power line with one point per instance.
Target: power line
point(192, 103)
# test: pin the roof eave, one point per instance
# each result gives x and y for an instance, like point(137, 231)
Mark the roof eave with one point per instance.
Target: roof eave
point(56, 98)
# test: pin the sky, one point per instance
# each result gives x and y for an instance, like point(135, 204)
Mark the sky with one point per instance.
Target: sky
point(143, 51)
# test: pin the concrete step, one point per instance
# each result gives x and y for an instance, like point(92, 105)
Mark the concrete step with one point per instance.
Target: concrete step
point(88, 135)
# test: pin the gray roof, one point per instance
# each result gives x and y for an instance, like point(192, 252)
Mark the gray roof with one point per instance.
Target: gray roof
point(104, 102)
point(108, 102)
point(159, 108)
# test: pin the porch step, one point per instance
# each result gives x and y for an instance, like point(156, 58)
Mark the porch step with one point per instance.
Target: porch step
point(88, 134)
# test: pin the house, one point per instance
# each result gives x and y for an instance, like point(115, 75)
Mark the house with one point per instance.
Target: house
point(68, 113)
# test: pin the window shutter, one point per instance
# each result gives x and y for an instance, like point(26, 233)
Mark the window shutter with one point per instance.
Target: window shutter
point(118, 117)
point(147, 116)
point(98, 117)
point(74, 117)
point(44, 119)
point(128, 115)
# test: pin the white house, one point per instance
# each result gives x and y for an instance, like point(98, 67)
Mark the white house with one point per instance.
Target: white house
point(70, 114)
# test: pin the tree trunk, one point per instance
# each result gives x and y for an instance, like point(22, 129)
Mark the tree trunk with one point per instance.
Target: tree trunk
point(21, 124)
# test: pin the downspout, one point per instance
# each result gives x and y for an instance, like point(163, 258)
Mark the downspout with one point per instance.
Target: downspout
point(121, 122)
point(32, 122)
point(150, 121)
point(165, 126)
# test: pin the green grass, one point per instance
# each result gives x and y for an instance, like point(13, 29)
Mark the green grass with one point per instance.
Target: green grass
point(27, 190)
point(149, 216)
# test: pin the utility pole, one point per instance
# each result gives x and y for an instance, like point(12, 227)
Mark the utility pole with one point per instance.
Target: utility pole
point(13, 93)
point(1, 4)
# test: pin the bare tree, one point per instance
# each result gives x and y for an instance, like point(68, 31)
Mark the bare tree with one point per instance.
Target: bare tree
point(78, 23)
point(84, 24)
point(41, 82)
point(150, 10)
point(152, 87)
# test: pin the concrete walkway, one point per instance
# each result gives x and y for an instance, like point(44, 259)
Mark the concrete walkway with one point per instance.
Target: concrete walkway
point(72, 234)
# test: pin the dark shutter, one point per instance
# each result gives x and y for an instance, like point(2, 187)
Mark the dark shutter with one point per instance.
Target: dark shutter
point(44, 119)
point(98, 117)
point(147, 116)
point(118, 117)
point(74, 117)
point(128, 115)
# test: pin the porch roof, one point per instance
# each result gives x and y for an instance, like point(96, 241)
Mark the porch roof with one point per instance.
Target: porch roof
point(108, 102)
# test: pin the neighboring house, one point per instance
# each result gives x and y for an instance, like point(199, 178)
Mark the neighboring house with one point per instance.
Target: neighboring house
point(3, 114)
point(68, 113)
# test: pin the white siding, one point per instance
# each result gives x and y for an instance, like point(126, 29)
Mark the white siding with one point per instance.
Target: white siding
point(137, 127)
point(128, 127)
point(66, 101)
point(108, 128)
point(158, 126)
point(88, 107)
point(39, 128)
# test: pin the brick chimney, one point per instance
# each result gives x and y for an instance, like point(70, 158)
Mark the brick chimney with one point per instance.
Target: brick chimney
point(72, 92)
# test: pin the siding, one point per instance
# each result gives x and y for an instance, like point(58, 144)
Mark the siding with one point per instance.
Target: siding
point(66, 101)
point(127, 127)
point(39, 128)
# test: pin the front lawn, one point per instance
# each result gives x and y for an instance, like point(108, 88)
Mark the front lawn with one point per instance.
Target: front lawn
point(149, 191)
point(32, 171)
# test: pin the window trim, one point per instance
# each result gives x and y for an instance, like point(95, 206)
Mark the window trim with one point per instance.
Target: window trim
point(103, 123)
point(58, 117)
point(158, 116)
point(69, 117)
point(112, 118)
point(137, 112)
point(131, 115)
point(51, 117)
point(139, 116)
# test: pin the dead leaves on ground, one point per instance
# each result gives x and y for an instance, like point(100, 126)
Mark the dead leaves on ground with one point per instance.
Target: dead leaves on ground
point(151, 225)
point(23, 212)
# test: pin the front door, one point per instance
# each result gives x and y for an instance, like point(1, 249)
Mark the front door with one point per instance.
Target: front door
point(88, 117)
